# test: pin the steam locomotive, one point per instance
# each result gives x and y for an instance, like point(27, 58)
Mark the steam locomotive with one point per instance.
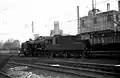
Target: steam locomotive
point(99, 35)
point(56, 46)
point(104, 42)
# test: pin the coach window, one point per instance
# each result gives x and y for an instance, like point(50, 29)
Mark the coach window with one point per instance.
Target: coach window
point(95, 20)
point(109, 18)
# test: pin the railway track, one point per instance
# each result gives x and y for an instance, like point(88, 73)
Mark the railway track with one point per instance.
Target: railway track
point(97, 66)
point(88, 70)
point(4, 75)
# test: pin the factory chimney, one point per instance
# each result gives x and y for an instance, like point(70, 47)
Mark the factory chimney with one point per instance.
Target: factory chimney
point(108, 6)
point(119, 5)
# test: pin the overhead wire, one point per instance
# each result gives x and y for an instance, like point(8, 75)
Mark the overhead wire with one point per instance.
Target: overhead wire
point(100, 2)
point(64, 22)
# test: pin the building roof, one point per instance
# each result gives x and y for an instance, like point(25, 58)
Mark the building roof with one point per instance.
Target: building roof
point(102, 13)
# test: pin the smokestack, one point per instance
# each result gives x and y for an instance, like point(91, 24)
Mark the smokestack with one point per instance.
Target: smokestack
point(119, 5)
point(78, 20)
point(108, 6)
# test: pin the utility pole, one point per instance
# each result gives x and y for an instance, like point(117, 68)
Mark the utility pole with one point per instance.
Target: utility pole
point(33, 28)
point(78, 20)
point(4, 22)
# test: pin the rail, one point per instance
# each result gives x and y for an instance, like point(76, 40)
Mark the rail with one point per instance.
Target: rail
point(4, 75)
point(92, 73)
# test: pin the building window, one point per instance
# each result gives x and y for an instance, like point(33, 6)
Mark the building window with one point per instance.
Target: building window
point(95, 20)
point(109, 18)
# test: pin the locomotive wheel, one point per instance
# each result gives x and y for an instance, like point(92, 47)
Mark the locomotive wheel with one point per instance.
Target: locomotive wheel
point(87, 53)
point(26, 54)
point(76, 54)
point(50, 54)
point(65, 54)
point(35, 54)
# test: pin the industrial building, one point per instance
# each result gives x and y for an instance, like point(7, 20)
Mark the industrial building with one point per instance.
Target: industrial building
point(102, 21)
point(56, 30)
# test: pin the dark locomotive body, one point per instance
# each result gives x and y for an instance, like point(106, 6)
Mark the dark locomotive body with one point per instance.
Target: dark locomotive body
point(57, 46)
point(99, 35)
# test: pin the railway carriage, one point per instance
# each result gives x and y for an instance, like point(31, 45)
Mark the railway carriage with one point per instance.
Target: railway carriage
point(106, 38)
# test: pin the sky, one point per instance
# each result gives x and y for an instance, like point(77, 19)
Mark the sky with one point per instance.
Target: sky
point(16, 16)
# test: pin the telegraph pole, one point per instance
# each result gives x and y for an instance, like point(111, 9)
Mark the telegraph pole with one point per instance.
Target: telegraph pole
point(33, 28)
point(78, 20)
point(4, 22)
